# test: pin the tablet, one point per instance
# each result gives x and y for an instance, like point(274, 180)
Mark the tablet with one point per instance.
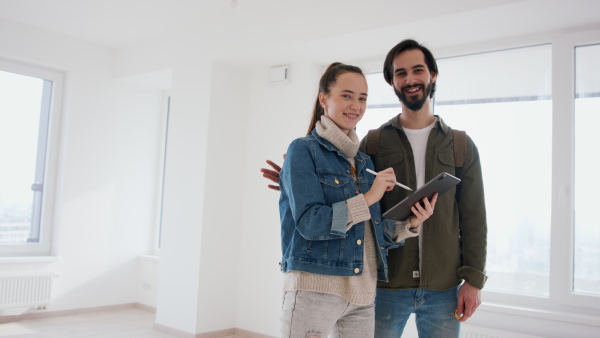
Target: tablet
point(440, 184)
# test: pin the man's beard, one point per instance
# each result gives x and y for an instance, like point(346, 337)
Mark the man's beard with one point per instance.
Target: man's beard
point(414, 103)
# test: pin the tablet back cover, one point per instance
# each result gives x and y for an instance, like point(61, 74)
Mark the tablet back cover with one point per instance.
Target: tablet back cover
point(440, 184)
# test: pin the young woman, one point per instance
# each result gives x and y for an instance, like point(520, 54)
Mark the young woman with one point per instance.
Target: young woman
point(334, 241)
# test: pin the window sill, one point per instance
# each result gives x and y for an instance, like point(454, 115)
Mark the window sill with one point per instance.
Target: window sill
point(149, 258)
point(32, 259)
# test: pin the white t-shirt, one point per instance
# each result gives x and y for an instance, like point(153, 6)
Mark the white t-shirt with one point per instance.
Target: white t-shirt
point(418, 143)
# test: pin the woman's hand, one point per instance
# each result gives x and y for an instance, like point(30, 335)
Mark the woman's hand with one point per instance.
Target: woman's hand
point(422, 212)
point(384, 181)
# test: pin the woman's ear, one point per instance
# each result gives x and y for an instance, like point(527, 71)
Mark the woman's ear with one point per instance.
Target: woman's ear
point(323, 100)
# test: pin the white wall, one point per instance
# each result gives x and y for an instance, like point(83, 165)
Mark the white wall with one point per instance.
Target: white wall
point(107, 170)
point(277, 115)
point(224, 190)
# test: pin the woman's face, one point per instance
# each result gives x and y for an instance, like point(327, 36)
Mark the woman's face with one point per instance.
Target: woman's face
point(347, 100)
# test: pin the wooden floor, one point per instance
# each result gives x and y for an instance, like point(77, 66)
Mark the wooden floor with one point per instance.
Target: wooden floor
point(122, 323)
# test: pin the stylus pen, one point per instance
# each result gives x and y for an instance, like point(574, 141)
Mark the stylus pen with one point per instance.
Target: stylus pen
point(398, 184)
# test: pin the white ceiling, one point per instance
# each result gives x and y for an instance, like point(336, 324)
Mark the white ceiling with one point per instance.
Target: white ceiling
point(251, 32)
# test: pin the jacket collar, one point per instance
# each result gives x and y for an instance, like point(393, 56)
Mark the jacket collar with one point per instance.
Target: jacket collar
point(329, 146)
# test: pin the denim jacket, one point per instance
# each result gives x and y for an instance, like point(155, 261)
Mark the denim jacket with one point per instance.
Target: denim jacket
point(315, 182)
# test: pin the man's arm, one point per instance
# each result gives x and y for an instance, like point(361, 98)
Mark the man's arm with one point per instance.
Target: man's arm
point(473, 228)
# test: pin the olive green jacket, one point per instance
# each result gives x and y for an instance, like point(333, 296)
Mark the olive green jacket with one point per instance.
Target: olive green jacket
point(455, 236)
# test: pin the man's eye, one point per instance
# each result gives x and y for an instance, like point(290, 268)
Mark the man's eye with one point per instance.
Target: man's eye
point(364, 99)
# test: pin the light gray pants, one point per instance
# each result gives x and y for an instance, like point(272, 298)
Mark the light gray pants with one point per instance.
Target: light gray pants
point(308, 314)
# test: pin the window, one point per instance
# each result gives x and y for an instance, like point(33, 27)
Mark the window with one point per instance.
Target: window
point(382, 104)
point(587, 119)
point(502, 99)
point(532, 111)
point(26, 107)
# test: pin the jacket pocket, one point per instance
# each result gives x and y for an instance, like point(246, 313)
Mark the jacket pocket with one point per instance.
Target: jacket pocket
point(336, 187)
point(389, 160)
point(446, 161)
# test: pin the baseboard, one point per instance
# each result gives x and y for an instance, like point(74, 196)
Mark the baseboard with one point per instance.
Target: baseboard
point(238, 333)
point(249, 334)
point(49, 314)
point(182, 334)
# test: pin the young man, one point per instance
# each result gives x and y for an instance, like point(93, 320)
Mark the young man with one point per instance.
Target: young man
point(426, 274)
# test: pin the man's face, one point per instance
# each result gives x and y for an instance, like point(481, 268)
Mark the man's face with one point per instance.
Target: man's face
point(412, 80)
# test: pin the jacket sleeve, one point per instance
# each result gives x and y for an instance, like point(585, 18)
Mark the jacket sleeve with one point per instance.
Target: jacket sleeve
point(473, 223)
point(300, 184)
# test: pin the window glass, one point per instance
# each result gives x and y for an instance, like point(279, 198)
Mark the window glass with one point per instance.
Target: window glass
point(382, 104)
point(502, 99)
point(587, 120)
point(24, 118)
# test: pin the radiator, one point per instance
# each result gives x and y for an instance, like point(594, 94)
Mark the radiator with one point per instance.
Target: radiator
point(25, 291)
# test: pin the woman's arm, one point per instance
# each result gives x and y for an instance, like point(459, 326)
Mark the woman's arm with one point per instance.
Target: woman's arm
point(300, 186)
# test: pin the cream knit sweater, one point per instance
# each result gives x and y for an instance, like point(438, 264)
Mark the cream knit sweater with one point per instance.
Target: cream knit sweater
point(358, 289)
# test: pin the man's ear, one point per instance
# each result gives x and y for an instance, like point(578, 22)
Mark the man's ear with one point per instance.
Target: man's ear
point(433, 77)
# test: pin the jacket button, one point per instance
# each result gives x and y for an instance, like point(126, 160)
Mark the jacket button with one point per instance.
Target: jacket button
point(348, 171)
point(359, 242)
point(336, 181)
point(357, 270)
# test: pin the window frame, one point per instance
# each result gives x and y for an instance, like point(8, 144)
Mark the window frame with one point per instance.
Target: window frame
point(562, 303)
point(44, 211)
point(563, 164)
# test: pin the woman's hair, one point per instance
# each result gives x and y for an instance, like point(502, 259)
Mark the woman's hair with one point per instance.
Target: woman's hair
point(327, 81)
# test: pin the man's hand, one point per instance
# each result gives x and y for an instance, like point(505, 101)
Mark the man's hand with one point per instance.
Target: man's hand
point(272, 175)
point(469, 298)
point(422, 212)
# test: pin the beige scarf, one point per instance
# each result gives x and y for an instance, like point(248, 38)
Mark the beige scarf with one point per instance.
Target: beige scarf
point(347, 144)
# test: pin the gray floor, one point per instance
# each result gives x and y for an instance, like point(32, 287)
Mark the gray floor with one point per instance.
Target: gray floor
point(123, 323)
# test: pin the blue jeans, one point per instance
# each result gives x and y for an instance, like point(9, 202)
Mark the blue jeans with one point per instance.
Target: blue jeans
point(434, 312)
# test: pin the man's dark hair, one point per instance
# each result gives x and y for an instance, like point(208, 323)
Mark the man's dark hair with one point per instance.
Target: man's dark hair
point(408, 44)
